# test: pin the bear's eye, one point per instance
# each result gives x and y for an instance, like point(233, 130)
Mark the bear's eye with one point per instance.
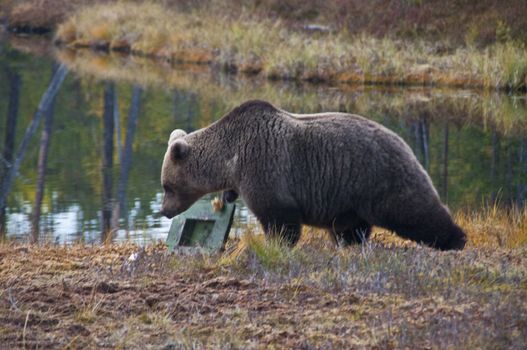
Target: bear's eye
point(167, 189)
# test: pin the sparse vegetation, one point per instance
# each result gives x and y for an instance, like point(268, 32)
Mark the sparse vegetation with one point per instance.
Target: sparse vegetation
point(251, 45)
point(386, 293)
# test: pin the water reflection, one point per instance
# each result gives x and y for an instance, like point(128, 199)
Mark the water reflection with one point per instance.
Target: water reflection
point(107, 157)
point(93, 174)
point(41, 166)
point(12, 165)
point(126, 158)
point(13, 80)
point(115, 209)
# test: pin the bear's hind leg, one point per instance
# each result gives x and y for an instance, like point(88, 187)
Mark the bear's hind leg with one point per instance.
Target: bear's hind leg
point(437, 230)
point(449, 237)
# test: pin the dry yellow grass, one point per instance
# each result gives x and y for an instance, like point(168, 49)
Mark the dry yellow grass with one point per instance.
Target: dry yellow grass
point(268, 47)
point(495, 227)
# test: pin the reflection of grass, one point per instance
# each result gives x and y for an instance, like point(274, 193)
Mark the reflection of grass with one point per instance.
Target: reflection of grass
point(267, 46)
point(494, 110)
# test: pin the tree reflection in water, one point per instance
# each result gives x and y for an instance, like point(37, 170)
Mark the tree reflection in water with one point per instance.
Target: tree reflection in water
point(43, 107)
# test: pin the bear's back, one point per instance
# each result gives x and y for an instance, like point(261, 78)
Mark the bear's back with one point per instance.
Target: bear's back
point(341, 160)
point(326, 163)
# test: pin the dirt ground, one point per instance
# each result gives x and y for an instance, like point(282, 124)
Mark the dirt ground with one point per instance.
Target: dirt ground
point(257, 295)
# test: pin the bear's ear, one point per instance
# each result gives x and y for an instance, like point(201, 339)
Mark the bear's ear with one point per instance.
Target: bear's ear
point(176, 134)
point(179, 149)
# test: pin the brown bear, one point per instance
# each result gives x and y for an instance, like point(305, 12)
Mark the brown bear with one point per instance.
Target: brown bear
point(337, 171)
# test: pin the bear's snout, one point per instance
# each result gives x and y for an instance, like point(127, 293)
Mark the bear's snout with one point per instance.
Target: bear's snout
point(168, 213)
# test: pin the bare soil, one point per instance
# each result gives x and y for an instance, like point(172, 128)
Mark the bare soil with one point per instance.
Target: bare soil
point(374, 296)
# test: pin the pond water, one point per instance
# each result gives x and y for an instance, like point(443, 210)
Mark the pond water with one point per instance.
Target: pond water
point(92, 160)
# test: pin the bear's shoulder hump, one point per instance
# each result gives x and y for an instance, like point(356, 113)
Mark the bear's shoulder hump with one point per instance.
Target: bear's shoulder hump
point(254, 106)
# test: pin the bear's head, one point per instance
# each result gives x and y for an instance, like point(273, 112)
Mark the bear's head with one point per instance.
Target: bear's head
point(181, 189)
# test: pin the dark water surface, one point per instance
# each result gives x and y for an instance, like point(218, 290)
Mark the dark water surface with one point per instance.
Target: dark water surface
point(90, 160)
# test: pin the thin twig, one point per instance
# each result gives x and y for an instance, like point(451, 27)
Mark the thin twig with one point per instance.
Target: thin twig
point(24, 331)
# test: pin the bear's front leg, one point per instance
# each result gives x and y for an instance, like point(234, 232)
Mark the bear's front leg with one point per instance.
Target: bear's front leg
point(356, 233)
point(229, 196)
point(283, 224)
point(348, 228)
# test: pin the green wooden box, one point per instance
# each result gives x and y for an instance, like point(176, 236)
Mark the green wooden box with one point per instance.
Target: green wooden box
point(201, 226)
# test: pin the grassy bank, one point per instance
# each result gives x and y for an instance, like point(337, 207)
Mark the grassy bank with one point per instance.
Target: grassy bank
point(261, 295)
point(450, 22)
point(270, 48)
point(36, 16)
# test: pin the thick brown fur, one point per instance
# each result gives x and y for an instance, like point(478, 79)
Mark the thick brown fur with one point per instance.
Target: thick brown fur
point(337, 171)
